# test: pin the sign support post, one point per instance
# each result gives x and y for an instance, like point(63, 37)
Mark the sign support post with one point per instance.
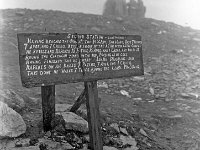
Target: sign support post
point(48, 106)
point(93, 115)
point(79, 101)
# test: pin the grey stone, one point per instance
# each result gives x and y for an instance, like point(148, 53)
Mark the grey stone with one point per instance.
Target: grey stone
point(115, 126)
point(86, 138)
point(128, 140)
point(131, 148)
point(55, 145)
point(12, 99)
point(26, 148)
point(109, 148)
point(11, 123)
point(85, 147)
point(143, 132)
point(123, 130)
point(62, 107)
point(75, 122)
point(22, 143)
point(195, 111)
point(96, 29)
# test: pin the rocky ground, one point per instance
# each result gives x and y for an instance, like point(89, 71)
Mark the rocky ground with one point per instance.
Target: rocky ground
point(157, 111)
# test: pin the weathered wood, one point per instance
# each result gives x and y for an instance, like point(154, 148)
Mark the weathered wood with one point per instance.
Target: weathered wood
point(93, 115)
point(53, 58)
point(80, 100)
point(48, 106)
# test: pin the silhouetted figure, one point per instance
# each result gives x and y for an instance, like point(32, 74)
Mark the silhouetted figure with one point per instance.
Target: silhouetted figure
point(115, 8)
point(134, 9)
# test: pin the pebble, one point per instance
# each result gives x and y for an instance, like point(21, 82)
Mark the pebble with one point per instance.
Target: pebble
point(124, 131)
point(143, 132)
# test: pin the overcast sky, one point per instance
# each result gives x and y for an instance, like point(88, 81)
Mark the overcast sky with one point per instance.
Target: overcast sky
point(183, 12)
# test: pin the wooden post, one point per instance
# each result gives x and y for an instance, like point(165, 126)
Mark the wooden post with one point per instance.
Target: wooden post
point(48, 106)
point(93, 115)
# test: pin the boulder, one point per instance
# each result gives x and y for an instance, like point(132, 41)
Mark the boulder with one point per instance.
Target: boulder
point(11, 123)
point(12, 99)
point(75, 122)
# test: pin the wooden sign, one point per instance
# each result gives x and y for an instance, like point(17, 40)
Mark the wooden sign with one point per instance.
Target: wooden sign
point(60, 58)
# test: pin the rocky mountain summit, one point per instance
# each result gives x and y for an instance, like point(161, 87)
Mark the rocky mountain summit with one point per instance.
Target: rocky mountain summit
point(157, 111)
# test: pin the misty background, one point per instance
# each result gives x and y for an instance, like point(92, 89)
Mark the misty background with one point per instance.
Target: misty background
point(182, 12)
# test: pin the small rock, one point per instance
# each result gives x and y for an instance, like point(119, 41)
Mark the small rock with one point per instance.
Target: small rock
point(138, 78)
point(62, 107)
point(111, 131)
point(60, 129)
point(48, 134)
point(85, 147)
point(20, 13)
point(75, 122)
point(131, 130)
point(128, 140)
point(109, 148)
point(106, 140)
point(124, 131)
point(151, 90)
point(96, 29)
point(86, 138)
point(46, 143)
point(66, 146)
point(131, 148)
point(176, 116)
point(115, 126)
point(137, 99)
point(30, 19)
point(195, 111)
point(43, 146)
point(184, 95)
point(167, 99)
point(59, 138)
point(117, 142)
point(27, 148)
point(77, 139)
point(123, 92)
point(194, 95)
point(119, 19)
point(143, 132)
point(22, 143)
point(151, 101)
point(33, 141)
point(102, 85)
point(11, 123)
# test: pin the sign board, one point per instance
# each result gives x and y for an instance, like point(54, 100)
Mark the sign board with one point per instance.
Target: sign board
point(59, 58)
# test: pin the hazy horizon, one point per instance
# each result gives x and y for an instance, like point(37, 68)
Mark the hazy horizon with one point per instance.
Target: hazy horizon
point(182, 12)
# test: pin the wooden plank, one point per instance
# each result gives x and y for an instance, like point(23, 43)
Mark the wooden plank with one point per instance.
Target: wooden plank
point(80, 100)
point(93, 115)
point(48, 106)
point(54, 58)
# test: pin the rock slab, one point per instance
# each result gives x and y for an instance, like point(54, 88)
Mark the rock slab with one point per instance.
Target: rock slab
point(11, 123)
point(75, 122)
